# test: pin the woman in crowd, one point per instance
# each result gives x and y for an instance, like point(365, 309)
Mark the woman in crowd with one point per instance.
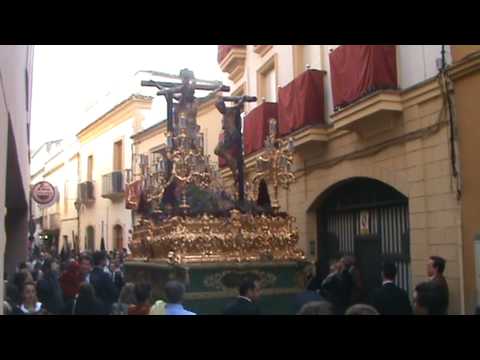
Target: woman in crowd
point(30, 304)
point(125, 300)
point(87, 303)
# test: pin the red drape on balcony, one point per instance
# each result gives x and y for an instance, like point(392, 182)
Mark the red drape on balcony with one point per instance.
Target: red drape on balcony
point(357, 70)
point(301, 102)
point(221, 162)
point(134, 193)
point(255, 127)
point(223, 51)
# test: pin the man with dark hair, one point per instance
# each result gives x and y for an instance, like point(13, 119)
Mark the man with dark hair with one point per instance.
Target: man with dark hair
point(105, 290)
point(143, 293)
point(428, 299)
point(435, 269)
point(174, 291)
point(390, 299)
point(86, 265)
point(249, 293)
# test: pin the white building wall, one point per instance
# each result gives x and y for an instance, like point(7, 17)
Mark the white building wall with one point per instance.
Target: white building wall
point(103, 210)
point(417, 63)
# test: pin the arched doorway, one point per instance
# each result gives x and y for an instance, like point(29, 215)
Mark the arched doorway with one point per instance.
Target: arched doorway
point(118, 237)
point(368, 219)
point(90, 243)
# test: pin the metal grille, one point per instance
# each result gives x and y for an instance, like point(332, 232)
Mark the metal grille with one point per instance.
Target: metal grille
point(390, 223)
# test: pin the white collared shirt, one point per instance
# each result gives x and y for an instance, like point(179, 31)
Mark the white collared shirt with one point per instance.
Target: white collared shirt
point(38, 307)
point(387, 282)
point(246, 298)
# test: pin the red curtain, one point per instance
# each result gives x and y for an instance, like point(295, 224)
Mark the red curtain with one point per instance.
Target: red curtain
point(221, 162)
point(357, 70)
point(255, 127)
point(223, 51)
point(301, 102)
point(134, 193)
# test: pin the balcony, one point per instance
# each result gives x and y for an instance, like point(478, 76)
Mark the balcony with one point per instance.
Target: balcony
point(232, 60)
point(359, 70)
point(113, 185)
point(256, 126)
point(373, 113)
point(86, 192)
point(301, 109)
point(364, 86)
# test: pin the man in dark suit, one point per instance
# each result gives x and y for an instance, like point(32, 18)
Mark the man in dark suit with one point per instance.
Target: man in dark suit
point(105, 289)
point(390, 299)
point(435, 269)
point(245, 303)
point(428, 299)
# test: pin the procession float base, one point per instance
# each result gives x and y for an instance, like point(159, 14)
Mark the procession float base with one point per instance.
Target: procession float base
point(211, 286)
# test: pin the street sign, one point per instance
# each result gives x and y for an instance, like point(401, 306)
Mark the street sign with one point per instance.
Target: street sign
point(44, 194)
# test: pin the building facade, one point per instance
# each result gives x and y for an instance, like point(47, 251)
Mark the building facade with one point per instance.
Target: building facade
point(16, 65)
point(105, 156)
point(464, 75)
point(57, 162)
point(375, 163)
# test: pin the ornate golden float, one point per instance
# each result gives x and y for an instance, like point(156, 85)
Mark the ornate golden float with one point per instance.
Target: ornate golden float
point(186, 218)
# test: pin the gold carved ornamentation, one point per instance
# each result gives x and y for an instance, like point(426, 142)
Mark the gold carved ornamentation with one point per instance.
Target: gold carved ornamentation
point(238, 238)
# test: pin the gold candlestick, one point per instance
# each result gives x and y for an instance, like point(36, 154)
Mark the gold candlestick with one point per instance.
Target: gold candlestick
point(276, 163)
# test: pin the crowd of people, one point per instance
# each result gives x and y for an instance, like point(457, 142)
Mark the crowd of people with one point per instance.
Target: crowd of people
point(343, 292)
point(94, 284)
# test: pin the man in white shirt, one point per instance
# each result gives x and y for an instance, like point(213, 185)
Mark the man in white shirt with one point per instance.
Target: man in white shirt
point(174, 291)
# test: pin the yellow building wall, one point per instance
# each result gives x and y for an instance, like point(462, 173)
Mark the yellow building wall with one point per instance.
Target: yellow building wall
point(419, 169)
point(459, 52)
point(467, 110)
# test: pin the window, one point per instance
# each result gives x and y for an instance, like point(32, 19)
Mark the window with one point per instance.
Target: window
point(270, 86)
point(118, 156)
point(267, 81)
point(90, 168)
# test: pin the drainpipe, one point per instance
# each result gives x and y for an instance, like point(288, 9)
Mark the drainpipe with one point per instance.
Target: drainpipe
point(456, 175)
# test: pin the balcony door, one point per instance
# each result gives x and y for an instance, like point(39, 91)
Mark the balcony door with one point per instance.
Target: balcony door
point(118, 156)
point(90, 168)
